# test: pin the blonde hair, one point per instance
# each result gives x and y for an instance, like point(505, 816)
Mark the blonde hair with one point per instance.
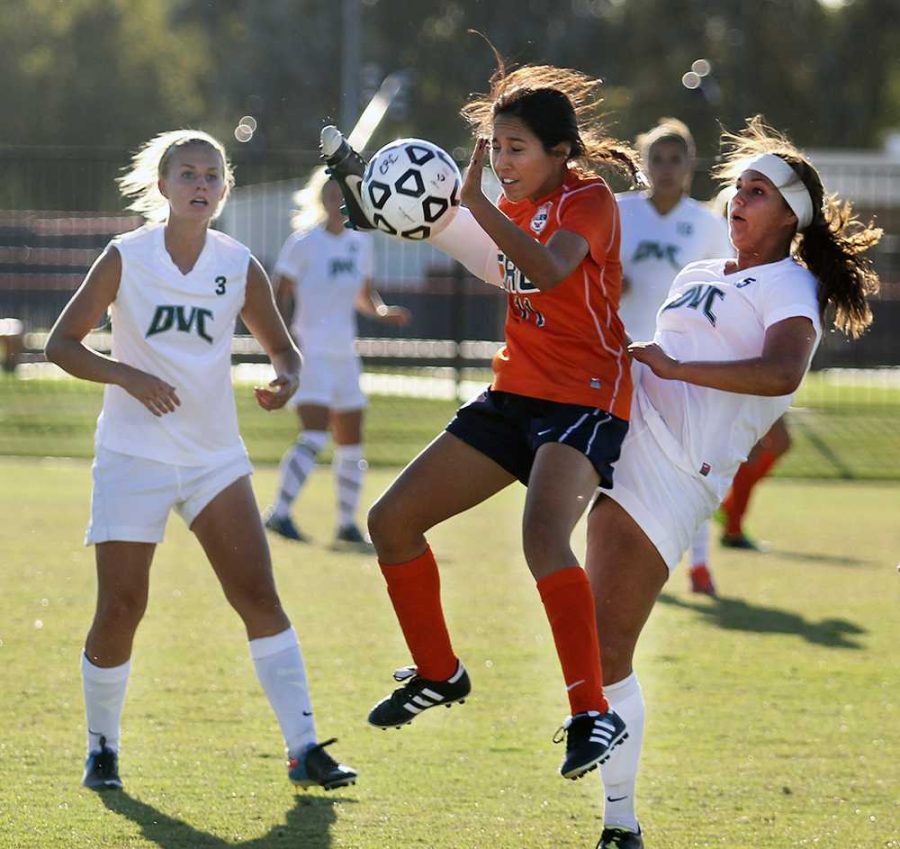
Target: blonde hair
point(309, 212)
point(140, 182)
point(833, 247)
point(667, 130)
point(557, 105)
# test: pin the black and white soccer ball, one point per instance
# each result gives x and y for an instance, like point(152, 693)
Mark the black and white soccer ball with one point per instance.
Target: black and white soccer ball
point(411, 189)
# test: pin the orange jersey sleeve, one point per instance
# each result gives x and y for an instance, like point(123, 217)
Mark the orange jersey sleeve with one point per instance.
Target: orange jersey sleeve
point(568, 344)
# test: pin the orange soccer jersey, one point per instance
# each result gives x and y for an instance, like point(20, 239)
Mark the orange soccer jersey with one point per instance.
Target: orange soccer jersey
point(568, 344)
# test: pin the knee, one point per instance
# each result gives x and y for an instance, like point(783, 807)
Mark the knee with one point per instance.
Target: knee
point(252, 595)
point(122, 610)
point(783, 443)
point(544, 544)
point(385, 523)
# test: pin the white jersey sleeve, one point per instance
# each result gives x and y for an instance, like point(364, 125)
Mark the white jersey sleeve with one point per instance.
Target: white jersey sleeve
point(779, 299)
point(293, 260)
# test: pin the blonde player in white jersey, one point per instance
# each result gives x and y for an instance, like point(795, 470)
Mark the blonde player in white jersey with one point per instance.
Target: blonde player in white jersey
point(664, 229)
point(733, 341)
point(322, 277)
point(167, 437)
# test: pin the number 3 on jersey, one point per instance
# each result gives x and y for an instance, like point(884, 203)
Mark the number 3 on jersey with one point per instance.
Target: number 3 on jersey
point(525, 311)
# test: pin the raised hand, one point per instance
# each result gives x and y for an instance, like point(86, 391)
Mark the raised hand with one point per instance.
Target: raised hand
point(470, 192)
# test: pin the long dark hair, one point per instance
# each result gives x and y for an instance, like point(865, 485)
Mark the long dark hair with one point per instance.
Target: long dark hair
point(557, 105)
point(834, 246)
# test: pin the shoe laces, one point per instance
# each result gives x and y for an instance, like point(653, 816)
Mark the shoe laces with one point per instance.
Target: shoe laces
point(411, 683)
point(562, 733)
point(406, 673)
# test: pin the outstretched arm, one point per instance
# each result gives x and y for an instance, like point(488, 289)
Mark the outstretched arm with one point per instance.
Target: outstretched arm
point(264, 321)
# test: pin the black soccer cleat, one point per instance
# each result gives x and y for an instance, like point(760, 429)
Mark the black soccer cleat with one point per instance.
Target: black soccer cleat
point(346, 167)
point(615, 837)
point(101, 769)
point(314, 767)
point(417, 695)
point(590, 738)
point(742, 542)
point(350, 536)
point(284, 526)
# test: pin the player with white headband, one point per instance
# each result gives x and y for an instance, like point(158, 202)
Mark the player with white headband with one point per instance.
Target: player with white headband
point(776, 442)
point(733, 341)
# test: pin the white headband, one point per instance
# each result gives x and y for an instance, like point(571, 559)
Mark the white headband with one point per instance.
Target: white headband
point(786, 180)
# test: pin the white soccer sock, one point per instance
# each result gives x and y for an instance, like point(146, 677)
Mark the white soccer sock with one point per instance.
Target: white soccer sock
point(104, 696)
point(279, 667)
point(620, 771)
point(700, 545)
point(349, 469)
point(296, 464)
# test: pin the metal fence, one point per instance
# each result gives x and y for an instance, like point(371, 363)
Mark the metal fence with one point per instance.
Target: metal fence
point(58, 208)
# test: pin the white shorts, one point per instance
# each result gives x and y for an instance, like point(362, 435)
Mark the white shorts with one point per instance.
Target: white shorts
point(132, 496)
point(668, 503)
point(330, 381)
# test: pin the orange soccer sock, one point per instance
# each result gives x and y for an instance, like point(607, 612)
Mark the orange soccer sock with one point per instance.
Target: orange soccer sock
point(415, 591)
point(748, 475)
point(569, 604)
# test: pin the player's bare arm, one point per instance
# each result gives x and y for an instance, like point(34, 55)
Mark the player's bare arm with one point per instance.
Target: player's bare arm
point(777, 371)
point(66, 348)
point(264, 321)
point(285, 297)
point(369, 302)
point(545, 266)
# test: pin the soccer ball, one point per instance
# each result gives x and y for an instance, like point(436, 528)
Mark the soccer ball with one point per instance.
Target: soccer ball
point(411, 189)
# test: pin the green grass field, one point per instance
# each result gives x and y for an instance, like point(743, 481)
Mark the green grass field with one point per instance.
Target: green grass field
point(772, 710)
point(839, 431)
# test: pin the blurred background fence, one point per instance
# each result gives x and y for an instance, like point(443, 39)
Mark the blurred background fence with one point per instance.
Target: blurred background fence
point(59, 208)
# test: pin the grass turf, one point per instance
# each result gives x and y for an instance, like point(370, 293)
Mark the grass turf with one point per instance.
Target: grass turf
point(839, 431)
point(772, 710)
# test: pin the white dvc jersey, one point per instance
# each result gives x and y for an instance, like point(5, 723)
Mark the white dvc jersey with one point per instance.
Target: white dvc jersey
point(177, 327)
point(713, 316)
point(656, 247)
point(328, 272)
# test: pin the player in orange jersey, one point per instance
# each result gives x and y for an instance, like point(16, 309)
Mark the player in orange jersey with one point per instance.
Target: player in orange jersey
point(556, 413)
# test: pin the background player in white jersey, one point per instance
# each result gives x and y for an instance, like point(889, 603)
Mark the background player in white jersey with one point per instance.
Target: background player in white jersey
point(664, 229)
point(322, 277)
point(733, 341)
point(167, 436)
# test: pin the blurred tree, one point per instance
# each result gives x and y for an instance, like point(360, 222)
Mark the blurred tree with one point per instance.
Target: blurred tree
point(113, 72)
point(97, 72)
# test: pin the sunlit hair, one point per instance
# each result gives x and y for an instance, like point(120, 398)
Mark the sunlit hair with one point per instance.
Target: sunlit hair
point(667, 130)
point(150, 163)
point(834, 246)
point(309, 211)
point(557, 105)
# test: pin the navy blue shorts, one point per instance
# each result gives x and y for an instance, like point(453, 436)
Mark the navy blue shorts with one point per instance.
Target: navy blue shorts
point(510, 428)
